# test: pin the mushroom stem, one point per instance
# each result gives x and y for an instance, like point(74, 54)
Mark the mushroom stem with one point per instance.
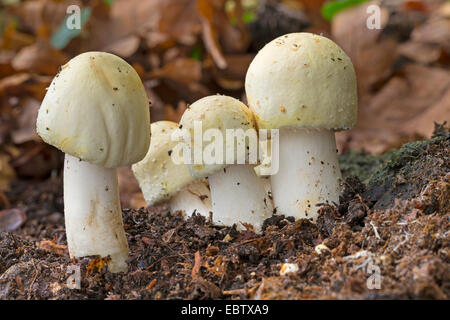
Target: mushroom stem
point(308, 173)
point(239, 195)
point(93, 214)
point(194, 197)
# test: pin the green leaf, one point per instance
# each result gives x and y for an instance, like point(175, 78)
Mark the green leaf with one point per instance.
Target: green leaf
point(10, 2)
point(108, 2)
point(249, 16)
point(197, 53)
point(329, 9)
point(63, 35)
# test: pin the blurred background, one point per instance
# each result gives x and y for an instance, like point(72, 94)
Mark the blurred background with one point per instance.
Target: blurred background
point(186, 49)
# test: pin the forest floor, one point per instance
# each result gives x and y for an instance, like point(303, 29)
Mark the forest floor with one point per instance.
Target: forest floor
point(388, 239)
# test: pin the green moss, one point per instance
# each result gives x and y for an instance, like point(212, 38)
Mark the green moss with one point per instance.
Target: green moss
point(376, 170)
point(406, 160)
point(359, 164)
point(400, 173)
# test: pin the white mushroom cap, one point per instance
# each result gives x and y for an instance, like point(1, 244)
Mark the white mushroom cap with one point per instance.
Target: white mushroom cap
point(159, 176)
point(216, 112)
point(96, 109)
point(302, 80)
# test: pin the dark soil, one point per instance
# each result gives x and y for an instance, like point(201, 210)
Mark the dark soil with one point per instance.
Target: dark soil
point(393, 219)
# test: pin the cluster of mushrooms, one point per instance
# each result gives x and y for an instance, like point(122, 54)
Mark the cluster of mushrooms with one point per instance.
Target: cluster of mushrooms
point(97, 112)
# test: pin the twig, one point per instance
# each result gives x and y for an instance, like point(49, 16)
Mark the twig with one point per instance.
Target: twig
point(235, 291)
point(375, 230)
point(34, 278)
point(258, 295)
point(247, 241)
point(363, 253)
point(363, 203)
point(400, 244)
point(197, 265)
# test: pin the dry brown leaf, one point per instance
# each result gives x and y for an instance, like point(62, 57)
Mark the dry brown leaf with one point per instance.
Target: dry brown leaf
point(7, 173)
point(26, 122)
point(197, 265)
point(39, 58)
point(402, 111)
point(233, 38)
point(434, 31)
point(420, 52)
point(183, 70)
point(414, 5)
point(125, 47)
point(126, 18)
point(180, 21)
point(444, 10)
point(233, 77)
point(166, 237)
point(51, 247)
point(209, 32)
point(6, 57)
point(42, 16)
point(11, 219)
point(182, 76)
point(15, 40)
point(423, 124)
point(37, 160)
point(96, 265)
point(130, 193)
point(24, 84)
point(175, 114)
point(364, 46)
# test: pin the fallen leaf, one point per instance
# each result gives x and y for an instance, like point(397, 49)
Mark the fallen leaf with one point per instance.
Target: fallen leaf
point(22, 84)
point(168, 235)
point(180, 21)
point(51, 247)
point(212, 251)
point(183, 70)
point(7, 173)
point(26, 122)
point(174, 115)
point(96, 265)
point(40, 58)
point(11, 219)
point(130, 193)
point(402, 111)
point(197, 265)
point(434, 31)
point(210, 38)
point(366, 48)
point(125, 47)
point(420, 52)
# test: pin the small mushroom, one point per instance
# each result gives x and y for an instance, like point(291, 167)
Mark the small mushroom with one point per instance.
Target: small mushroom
point(308, 94)
point(99, 117)
point(238, 194)
point(162, 178)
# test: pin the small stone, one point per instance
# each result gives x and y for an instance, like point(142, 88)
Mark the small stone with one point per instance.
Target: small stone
point(227, 238)
point(321, 248)
point(386, 260)
point(11, 219)
point(288, 268)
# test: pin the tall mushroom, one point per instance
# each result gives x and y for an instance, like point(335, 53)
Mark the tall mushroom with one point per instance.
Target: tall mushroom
point(96, 111)
point(238, 194)
point(304, 85)
point(162, 177)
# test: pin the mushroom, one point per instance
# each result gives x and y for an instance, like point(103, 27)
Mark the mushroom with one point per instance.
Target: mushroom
point(163, 177)
point(96, 111)
point(305, 86)
point(238, 194)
